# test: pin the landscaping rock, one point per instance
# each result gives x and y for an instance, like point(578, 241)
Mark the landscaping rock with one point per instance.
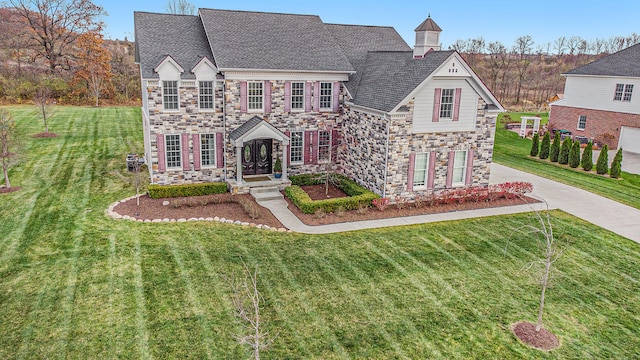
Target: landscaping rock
point(165, 203)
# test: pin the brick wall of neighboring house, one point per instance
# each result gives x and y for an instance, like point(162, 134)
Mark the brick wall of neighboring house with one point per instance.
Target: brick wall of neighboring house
point(601, 125)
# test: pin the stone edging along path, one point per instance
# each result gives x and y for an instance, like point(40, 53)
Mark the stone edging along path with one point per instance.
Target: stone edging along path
point(113, 214)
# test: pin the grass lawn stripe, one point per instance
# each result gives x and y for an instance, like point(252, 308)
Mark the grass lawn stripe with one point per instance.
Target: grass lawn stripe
point(142, 333)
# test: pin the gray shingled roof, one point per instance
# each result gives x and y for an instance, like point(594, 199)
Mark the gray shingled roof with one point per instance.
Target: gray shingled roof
point(624, 63)
point(244, 128)
point(180, 36)
point(356, 41)
point(428, 25)
point(389, 77)
point(271, 41)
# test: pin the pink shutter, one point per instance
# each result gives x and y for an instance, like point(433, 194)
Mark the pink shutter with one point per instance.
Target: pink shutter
point(336, 96)
point(412, 168)
point(185, 152)
point(162, 161)
point(267, 97)
point(469, 176)
point(308, 148)
point(307, 97)
point(316, 96)
point(219, 150)
point(243, 97)
point(195, 138)
point(452, 157)
point(288, 148)
point(431, 170)
point(287, 96)
point(456, 105)
point(436, 105)
point(334, 145)
point(315, 151)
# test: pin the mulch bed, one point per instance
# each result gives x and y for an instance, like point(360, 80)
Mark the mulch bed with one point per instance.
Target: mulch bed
point(190, 207)
point(543, 339)
point(45, 135)
point(6, 190)
point(317, 192)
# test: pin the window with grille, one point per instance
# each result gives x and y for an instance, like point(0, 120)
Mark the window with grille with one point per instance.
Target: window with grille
point(326, 95)
point(297, 95)
point(296, 147)
point(446, 103)
point(623, 92)
point(324, 145)
point(628, 89)
point(206, 95)
point(255, 92)
point(170, 95)
point(172, 151)
point(208, 149)
point(420, 170)
point(582, 122)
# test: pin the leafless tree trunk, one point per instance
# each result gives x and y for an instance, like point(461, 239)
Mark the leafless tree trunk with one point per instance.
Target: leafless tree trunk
point(43, 95)
point(8, 143)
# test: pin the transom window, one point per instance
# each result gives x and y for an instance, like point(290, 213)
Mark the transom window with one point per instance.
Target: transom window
point(206, 95)
point(208, 149)
point(324, 145)
point(172, 151)
point(459, 167)
point(170, 95)
point(420, 170)
point(446, 103)
point(255, 92)
point(582, 122)
point(326, 95)
point(623, 92)
point(297, 95)
point(296, 147)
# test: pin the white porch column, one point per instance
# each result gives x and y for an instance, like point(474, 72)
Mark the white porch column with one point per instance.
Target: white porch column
point(523, 127)
point(239, 164)
point(536, 125)
point(284, 162)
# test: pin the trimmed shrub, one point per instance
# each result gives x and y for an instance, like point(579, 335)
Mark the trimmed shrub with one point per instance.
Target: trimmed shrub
point(602, 165)
point(199, 189)
point(564, 151)
point(544, 147)
point(535, 145)
point(574, 155)
point(358, 196)
point(616, 165)
point(554, 152)
point(587, 157)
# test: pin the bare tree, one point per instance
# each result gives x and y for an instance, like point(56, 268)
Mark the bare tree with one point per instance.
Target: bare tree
point(181, 7)
point(522, 48)
point(8, 144)
point(42, 100)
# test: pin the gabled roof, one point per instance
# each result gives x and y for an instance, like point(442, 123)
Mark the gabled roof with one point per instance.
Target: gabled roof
point(624, 63)
point(271, 41)
point(256, 128)
point(428, 25)
point(388, 77)
point(159, 35)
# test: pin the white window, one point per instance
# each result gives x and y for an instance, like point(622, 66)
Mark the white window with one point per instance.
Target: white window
point(170, 95)
point(296, 147)
point(324, 145)
point(208, 150)
point(297, 96)
point(420, 170)
point(326, 95)
point(582, 122)
point(623, 92)
point(255, 96)
point(628, 89)
point(172, 151)
point(459, 167)
point(205, 95)
point(446, 103)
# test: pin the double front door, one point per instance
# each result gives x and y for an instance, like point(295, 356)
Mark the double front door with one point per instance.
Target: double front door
point(256, 157)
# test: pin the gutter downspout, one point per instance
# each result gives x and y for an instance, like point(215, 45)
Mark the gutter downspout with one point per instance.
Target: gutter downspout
point(386, 157)
point(224, 128)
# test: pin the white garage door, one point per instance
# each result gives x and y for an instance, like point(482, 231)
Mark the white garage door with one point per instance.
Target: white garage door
point(630, 139)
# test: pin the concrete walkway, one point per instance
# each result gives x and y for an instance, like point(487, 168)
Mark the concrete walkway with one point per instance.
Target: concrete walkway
point(618, 218)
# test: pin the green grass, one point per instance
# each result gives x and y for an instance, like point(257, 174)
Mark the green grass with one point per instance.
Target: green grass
point(76, 284)
point(512, 151)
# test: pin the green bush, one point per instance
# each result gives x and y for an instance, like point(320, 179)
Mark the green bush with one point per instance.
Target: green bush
point(358, 195)
point(544, 147)
point(574, 155)
point(199, 189)
point(555, 148)
point(616, 165)
point(602, 165)
point(587, 157)
point(565, 150)
point(535, 145)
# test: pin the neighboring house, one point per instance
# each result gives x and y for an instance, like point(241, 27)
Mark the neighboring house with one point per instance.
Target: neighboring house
point(602, 101)
point(225, 93)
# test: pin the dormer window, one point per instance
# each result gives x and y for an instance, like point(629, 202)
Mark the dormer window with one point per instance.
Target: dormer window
point(170, 95)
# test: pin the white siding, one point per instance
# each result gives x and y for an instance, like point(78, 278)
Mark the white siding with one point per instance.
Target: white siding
point(596, 93)
point(423, 110)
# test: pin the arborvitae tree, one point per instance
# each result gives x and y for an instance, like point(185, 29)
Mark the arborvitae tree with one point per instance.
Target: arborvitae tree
point(555, 148)
point(535, 145)
point(587, 157)
point(602, 165)
point(616, 165)
point(544, 147)
point(574, 155)
point(565, 150)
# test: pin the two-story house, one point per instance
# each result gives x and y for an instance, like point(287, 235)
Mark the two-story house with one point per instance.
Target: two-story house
point(225, 93)
point(599, 101)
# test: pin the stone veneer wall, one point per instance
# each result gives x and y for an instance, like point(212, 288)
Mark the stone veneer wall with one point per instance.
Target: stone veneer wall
point(188, 120)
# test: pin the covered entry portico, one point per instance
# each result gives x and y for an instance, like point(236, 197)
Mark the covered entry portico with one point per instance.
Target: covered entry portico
point(254, 143)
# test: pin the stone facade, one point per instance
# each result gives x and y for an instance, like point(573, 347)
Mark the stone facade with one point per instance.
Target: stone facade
point(599, 124)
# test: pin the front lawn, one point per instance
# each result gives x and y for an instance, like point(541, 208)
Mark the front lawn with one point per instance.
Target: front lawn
point(77, 284)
